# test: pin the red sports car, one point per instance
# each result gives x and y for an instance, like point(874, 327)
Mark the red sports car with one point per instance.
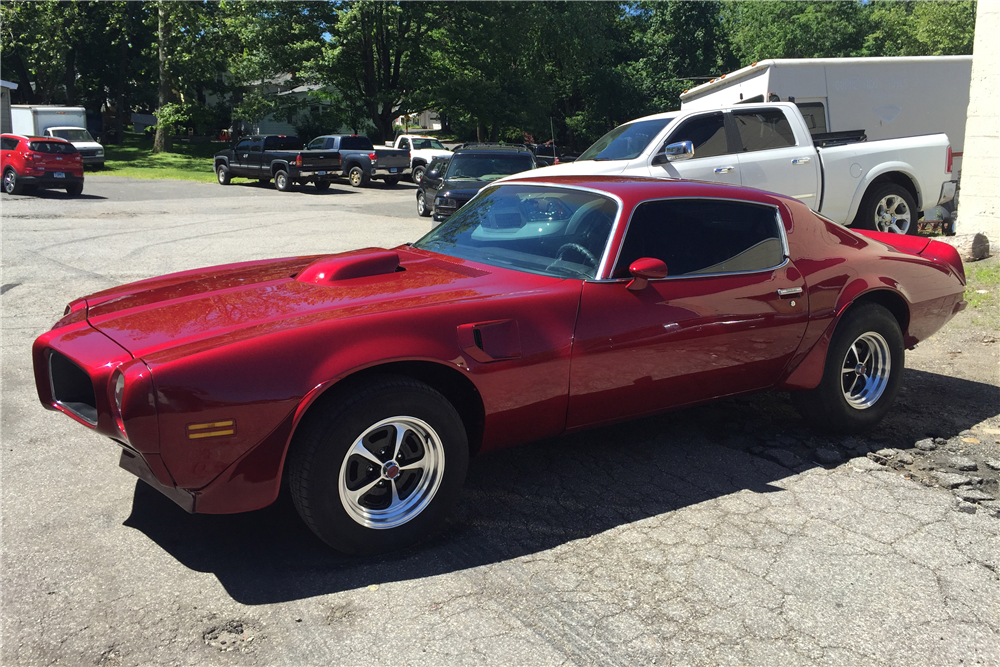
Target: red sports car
point(544, 306)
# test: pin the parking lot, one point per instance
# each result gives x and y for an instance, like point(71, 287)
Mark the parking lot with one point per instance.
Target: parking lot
point(723, 535)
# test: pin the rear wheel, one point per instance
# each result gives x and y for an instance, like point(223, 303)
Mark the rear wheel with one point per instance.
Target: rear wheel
point(322, 185)
point(888, 208)
point(377, 469)
point(357, 177)
point(223, 174)
point(281, 180)
point(74, 190)
point(423, 210)
point(391, 180)
point(864, 368)
point(11, 184)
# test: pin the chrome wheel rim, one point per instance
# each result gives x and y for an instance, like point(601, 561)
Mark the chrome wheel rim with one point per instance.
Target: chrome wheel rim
point(418, 175)
point(865, 371)
point(420, 203)
point(222, 176)
point(280, 181)
point(892, 215)
point(355, 177)
point(391, 472)
point(8, 182)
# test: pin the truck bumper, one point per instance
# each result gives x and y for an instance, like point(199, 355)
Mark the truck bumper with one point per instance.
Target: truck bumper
point(948, 189)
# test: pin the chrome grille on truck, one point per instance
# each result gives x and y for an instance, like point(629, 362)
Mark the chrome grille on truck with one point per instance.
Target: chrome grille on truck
point(72, 387)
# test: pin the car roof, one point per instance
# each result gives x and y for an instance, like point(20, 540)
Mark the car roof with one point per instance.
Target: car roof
point(32, 137)
point(492, 148)
point(637, 188)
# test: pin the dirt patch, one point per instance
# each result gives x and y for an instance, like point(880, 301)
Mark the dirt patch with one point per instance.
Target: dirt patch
point(234, 635)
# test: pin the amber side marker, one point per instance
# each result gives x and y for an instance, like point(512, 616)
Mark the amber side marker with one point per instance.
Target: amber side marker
point(211, 429)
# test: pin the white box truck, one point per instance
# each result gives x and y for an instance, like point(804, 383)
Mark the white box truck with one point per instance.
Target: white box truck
point(69, 123)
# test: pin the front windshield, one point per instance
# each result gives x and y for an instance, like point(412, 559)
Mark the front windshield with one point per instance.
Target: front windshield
point(73, 135)
point(484, 167)
point(625, 142)
point(559, 232)
point(424, 144)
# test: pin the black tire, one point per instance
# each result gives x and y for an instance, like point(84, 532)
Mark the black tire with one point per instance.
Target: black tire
point(322, 185)
point(11, 183)
point(418, 173)
point(223, 174)
point(869, 339)
point(391, 180)
point(423, 210)
point(281, 181)
point(74, 190)
point(263, 181)
point(323, 472)
point(358, 177)
point(883, 209)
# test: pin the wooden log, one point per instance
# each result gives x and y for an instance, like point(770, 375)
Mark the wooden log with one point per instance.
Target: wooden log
point(970, 247)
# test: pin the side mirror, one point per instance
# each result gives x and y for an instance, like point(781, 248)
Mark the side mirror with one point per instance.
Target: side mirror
point(643, 270)
point(682, 150)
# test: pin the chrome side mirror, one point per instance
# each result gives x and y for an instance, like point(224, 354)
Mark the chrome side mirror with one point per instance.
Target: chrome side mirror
point(682, 150)
point(645, 269)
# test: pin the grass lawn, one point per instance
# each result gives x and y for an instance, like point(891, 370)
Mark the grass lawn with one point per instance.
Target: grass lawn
point(135, 159)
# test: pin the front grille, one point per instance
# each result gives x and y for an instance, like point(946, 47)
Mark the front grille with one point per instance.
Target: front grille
point(88, 152)
point(72, 387)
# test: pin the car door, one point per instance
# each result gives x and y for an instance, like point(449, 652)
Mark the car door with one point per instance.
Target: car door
point(726, 319)
point(7, 147)
point(254, 166)
point(241, 155)
point(714, 159)
point(773, 158)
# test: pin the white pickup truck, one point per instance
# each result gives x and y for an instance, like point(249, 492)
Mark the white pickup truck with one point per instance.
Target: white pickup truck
point(882, 185)
point(422, 151)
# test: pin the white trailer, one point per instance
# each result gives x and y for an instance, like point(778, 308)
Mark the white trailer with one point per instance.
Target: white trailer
point(888, 98)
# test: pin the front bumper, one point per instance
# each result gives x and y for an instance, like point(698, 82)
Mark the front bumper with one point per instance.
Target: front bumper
point(91, 160)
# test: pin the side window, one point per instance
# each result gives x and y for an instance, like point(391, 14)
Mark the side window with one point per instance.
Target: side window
point(707, 132)
point(702, 236)
point(8, 144)
point(404, 144)
point(763, 129)
point(243, 146)
point(814, 115)
point(255, 146)
point(317, 143)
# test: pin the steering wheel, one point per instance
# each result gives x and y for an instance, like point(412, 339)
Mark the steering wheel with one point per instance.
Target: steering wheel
point(589, 256)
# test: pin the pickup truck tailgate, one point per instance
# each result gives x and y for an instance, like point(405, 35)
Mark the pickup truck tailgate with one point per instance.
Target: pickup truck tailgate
point(320, 160)
point(392, 158)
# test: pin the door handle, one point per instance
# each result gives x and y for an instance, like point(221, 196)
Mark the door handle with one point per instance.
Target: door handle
point(789, 291)
point(800, 160)
point(723, 170)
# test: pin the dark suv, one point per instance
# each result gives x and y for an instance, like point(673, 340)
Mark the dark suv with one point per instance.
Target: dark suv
point(471, 167)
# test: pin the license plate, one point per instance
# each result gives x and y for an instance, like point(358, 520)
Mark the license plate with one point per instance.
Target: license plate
point(392, 171)
point(321, 173)
point(59, 174)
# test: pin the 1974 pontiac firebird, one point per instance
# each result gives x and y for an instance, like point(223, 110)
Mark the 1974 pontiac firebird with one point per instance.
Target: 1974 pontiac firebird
point(544, 306)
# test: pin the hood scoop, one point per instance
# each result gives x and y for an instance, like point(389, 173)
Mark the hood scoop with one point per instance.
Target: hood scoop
point(329, 270)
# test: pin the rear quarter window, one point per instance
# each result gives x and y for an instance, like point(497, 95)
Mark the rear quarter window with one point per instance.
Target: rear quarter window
point(8, 144)
point(355, 144)
point(56, 147)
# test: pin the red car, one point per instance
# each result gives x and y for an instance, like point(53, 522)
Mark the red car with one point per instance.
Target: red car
point(40, 162)
point(544, 306)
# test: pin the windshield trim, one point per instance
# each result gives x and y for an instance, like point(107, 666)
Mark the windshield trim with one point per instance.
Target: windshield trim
point(602, 266)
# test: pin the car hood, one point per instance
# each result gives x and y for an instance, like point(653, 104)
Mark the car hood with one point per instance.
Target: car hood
point(227, 304)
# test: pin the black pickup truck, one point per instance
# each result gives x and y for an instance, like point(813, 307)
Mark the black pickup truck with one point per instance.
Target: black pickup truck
point(360, 161)
point(277, 157)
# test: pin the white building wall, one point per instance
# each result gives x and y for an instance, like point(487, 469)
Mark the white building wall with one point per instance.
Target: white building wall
point(979, 202)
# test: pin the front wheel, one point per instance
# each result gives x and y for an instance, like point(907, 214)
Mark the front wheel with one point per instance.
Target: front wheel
point(281, 181)
point(423, 210)
point(417, 174)
point(223, 174)
point(357, 177)
point(863, 371)
point(888, 208)
point(377, 469)
point(11, 184)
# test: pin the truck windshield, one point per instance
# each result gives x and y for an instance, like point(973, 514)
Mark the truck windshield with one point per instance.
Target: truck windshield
point(485, 167)
point(72, 135)
point(625, 142)
point(424, 144)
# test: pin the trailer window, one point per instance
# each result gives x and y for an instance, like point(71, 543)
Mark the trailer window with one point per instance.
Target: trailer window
point(815, 116)
point(763, 129)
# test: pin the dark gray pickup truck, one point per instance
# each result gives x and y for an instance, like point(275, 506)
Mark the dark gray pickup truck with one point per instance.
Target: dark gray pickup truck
point(360, 161)
point(277, 157)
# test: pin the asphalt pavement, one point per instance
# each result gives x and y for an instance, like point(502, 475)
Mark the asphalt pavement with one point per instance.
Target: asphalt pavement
point(657, 542)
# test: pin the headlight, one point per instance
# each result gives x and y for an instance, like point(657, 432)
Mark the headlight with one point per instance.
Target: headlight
point(445, 202)
point(118, 389)
point(100, 152)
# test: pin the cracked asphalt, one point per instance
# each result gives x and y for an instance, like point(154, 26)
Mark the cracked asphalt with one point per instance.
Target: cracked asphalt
point(708, 536)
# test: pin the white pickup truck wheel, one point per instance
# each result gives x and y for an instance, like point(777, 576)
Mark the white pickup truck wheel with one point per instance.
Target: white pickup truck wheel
point(888, 208)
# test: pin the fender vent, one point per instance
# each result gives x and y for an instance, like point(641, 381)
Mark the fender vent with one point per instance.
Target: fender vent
point(72, 388)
